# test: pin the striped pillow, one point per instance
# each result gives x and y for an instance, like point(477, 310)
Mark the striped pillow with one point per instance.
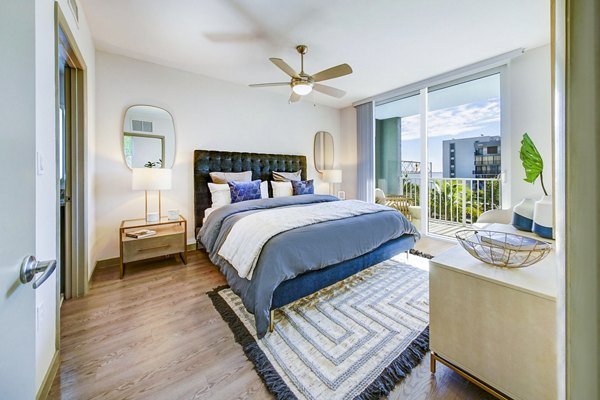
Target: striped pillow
point(224, 177)
point(287, 176)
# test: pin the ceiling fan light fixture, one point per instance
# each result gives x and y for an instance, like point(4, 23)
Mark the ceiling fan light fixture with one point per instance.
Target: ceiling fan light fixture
point(302, 88)
point(303, 83)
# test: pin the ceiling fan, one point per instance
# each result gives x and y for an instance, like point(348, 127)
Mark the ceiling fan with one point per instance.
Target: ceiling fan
point(303, 83)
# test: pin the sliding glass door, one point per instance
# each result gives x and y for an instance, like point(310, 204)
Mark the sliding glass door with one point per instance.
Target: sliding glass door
point(445, 140)
point(464, 144)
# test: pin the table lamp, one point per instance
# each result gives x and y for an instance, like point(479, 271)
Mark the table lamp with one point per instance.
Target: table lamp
point(151, 179)
point(332, 176)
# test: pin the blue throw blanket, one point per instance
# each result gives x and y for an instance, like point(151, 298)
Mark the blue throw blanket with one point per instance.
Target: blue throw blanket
point(299, 250)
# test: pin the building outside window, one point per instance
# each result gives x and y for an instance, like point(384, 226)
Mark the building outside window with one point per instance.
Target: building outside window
point(474, 157)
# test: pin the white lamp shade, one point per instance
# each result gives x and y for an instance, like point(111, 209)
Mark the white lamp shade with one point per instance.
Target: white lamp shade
point(332, 175)
point(302, 88)
point(151, 179)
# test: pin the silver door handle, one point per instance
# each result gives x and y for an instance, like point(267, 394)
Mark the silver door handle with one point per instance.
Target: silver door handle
point(30, 267)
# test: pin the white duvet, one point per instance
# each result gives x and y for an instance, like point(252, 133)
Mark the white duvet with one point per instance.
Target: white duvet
point(245, 241)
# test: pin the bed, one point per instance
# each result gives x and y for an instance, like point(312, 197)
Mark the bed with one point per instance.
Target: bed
point(300, 261)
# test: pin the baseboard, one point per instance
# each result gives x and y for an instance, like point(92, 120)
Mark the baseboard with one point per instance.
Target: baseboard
point(109, 262)
point(46, 385)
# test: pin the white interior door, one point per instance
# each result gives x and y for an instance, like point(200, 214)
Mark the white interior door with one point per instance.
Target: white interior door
point(17, 199)
point(28, 200)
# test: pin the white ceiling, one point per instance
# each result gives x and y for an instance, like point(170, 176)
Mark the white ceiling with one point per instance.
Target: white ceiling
point(388, 43)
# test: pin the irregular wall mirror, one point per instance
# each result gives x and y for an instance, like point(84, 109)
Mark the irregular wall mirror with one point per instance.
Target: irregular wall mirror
point(323, 150)
point(148, 137)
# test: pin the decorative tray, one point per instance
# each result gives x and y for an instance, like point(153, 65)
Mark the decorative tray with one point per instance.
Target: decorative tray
point(503, 249)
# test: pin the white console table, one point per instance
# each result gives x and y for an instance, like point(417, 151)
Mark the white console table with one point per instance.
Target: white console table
point(495, 326)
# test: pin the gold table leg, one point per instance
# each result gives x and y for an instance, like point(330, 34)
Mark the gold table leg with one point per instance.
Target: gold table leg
point(474, 380)
point(272, 321)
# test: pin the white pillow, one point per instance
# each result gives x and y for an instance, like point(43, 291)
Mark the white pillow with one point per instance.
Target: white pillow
point(221, 196)
point(282, 189)
point(264, 190)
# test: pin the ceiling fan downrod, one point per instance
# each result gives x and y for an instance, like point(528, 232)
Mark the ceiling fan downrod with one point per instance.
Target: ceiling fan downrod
point(302, 49)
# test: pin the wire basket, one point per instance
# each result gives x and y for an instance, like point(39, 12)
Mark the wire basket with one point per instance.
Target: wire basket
point(503, 249)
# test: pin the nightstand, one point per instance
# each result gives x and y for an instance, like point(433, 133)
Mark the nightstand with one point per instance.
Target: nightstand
point(170, 239)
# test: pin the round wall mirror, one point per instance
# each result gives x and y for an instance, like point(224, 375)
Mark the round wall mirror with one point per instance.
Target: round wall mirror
point(323, 150)
point(148, 137)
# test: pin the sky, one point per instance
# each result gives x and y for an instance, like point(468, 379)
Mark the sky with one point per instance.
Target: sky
point(466, 120)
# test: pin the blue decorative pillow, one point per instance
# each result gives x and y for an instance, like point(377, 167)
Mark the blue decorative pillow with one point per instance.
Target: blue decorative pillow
point(242, 191)
point(303, 187)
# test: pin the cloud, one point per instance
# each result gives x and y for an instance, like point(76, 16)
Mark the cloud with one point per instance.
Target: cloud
point(454, 121)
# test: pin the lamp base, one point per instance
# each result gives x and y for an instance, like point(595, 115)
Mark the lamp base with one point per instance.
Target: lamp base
point(152, 217)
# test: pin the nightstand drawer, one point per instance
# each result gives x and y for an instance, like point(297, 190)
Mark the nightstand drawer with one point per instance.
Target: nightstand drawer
point(139, 249)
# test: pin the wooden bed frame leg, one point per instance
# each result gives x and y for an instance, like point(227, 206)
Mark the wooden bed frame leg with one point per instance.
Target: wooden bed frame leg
point(432, 362)
point(272, 321)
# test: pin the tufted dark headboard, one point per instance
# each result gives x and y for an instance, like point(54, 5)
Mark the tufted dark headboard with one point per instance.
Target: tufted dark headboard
point(261, 165)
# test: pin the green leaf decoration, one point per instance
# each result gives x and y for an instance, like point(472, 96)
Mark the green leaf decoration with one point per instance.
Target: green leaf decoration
point(532, 161)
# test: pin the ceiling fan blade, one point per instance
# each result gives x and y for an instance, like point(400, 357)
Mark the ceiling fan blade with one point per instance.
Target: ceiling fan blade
point(333, 72)
point(328, 90)
point(294, 97)
point(284, 67)
point(270, 84)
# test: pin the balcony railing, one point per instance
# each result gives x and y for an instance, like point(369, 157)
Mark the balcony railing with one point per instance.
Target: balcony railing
point(457, 201)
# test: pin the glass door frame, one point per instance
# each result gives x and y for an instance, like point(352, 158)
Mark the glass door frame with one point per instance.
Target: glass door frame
point(423, 93)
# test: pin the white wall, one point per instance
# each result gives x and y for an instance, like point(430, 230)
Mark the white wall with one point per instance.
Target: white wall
point(208, 114)
point(531, 112)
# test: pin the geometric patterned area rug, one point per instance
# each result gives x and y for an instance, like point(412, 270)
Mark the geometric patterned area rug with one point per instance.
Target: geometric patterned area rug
point(353, 340)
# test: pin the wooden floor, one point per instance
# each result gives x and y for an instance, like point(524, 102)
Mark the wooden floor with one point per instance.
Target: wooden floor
point(156, 335)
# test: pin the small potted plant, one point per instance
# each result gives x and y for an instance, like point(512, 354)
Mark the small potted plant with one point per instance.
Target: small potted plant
point(152, 164)
point(533, 164)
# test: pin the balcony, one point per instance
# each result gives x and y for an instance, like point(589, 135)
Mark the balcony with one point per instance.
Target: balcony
point(454, 203)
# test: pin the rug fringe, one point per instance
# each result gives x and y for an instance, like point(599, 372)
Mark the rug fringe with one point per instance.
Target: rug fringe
point(273, 381)
point(419, 253)
point(398, 369)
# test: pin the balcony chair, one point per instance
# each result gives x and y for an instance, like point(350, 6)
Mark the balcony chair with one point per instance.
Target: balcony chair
point(398, 202)
point(493, 217)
